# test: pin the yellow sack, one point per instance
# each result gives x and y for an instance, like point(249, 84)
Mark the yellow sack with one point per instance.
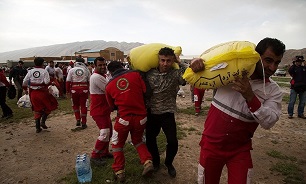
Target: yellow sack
point(223, 63)
point(145, 57)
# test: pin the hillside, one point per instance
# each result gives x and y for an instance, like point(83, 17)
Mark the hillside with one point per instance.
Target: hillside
point(66, 49)
point(291, 53)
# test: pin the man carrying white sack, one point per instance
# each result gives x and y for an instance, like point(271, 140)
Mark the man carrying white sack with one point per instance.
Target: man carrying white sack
point(236, 111)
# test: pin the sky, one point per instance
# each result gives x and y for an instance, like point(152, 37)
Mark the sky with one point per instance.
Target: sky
point(195, 25)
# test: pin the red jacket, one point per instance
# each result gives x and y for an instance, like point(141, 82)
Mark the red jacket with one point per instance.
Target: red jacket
point(125, 91)
point(3, 79)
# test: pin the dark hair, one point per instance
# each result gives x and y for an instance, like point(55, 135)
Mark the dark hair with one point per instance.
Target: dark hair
point(56, 65)
point(98, 59)
point(39, 61)
point(166, 51)
point(276, 45)
point(21, 62)
point(113, 66)
point(81, 60)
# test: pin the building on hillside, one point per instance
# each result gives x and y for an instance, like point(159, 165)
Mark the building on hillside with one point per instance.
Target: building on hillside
point(110, 54)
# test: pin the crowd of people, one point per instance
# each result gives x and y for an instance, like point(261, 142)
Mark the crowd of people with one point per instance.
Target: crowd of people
point(235, 113)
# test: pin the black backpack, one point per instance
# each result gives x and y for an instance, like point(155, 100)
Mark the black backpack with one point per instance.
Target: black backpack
point(11, 92)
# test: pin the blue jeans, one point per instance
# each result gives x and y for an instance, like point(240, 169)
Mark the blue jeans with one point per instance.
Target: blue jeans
point(302, 100)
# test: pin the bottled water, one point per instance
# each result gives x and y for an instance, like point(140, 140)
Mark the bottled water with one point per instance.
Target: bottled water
point(83, 168)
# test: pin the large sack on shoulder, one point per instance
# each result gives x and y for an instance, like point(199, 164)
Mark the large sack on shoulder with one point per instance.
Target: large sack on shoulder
point(223, 63)
point(11, 92)
point(145, 57)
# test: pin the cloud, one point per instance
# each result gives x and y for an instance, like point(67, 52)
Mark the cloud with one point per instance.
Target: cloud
point(195, 25)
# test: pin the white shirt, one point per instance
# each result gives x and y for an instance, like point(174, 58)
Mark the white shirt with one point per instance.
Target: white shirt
point(58, 73)
point(51, 71)
point(97, 84)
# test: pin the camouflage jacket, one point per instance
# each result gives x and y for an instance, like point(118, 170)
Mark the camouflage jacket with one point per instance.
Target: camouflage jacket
point(164, 88)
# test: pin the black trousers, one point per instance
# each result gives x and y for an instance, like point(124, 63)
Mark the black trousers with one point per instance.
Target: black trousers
point(5, 109)
point(167, 123)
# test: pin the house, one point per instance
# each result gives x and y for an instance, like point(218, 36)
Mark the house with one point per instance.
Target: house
point(110, 54)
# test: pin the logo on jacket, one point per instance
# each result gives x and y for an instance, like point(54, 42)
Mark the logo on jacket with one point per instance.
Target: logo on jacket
point(36, 74)
point(122, 84)
point(79, 72)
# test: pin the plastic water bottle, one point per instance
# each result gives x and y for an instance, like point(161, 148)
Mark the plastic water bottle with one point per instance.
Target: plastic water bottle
point(83, 168)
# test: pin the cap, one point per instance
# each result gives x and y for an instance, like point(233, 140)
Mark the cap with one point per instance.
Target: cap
point(70, 63)
point(299, 58)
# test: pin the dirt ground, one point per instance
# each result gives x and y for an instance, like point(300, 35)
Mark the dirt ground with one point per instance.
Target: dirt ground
point(28, 157)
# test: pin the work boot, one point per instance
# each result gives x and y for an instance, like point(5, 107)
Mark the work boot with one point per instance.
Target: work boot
point(120, 176)
point(147, 168)
point(302, 116)
point(171, 170)
point(98, 161)
point(156, 167)
point(108, 155)
point(84, 126)
point(43, 121)
point(37, 122)
point(78, 123)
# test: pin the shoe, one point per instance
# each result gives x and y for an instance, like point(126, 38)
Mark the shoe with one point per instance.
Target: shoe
point(9, 116)
point(148, 168)
point(171, 171)
point(43, 125)
point(78, 123)
point(97, 161)
point(84, 126)
point(38, 130)
point(196, 114)
point(290, 116)
point(120, 176)
point(109, 155)
point(156, 167)
point(302, 116)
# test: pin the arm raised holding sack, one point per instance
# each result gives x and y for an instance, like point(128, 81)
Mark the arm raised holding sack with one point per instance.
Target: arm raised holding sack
point(249, 100)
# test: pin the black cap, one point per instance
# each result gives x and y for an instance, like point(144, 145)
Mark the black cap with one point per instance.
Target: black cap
point(299, 58)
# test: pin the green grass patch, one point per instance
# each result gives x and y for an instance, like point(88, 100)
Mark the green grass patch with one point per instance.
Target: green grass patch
point(190, 129)
point(288, 166)
point(279, 155)
point(64, 106)
point(20, 114)
point(133, 168)
point(191, 111)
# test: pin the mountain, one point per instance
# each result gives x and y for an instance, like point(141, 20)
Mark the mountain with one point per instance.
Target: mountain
point(66, 49)
point(291, 53)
